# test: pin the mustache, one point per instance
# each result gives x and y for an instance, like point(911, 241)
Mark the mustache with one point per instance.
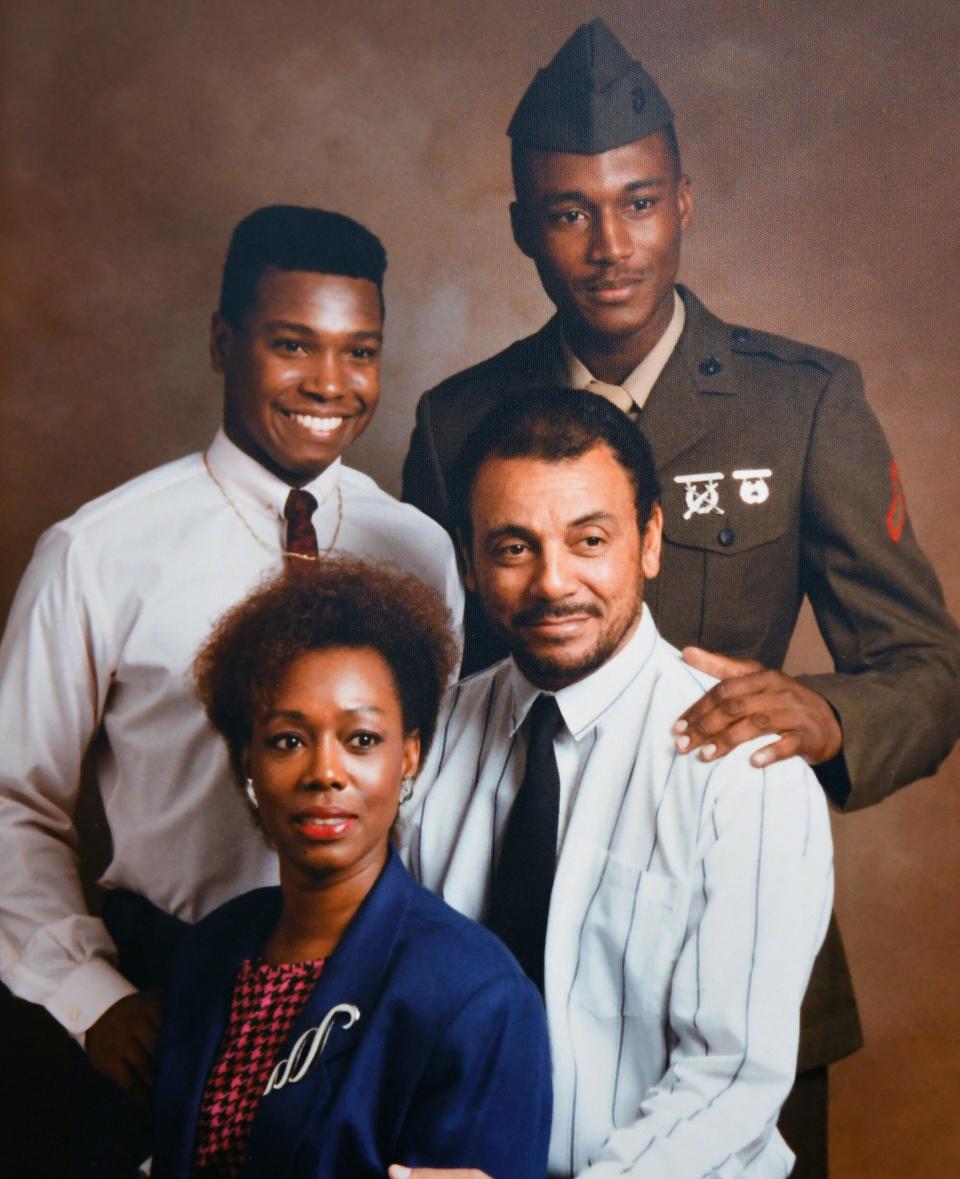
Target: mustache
point(550, 613)
point(614, 278)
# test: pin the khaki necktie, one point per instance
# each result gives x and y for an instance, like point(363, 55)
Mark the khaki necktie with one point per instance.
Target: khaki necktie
point(615, 394)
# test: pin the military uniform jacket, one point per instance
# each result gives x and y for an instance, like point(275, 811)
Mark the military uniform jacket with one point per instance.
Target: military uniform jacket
point(777, 484)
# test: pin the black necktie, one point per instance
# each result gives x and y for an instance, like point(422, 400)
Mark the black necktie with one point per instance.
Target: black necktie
point(301, 537)
point(523, 880)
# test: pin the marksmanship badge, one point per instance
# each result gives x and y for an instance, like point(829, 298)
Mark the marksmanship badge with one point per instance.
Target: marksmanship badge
point(702, 496)
point(754, 488)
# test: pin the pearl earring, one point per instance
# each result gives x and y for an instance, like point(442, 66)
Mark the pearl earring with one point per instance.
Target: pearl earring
point(252, 798)
point(406, 788)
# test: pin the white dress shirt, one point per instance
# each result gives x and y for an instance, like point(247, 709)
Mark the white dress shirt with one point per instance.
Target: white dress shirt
point(101, 638)
point(689, 902)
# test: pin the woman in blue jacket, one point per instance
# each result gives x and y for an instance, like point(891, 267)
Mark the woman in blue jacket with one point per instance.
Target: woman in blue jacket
point(347, 1019)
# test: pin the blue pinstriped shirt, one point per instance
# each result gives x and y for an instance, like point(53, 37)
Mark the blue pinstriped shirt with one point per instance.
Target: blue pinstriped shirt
point(689, 902)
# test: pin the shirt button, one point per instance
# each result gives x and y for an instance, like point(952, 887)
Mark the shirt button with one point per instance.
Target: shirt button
point(711, 366)
point(73, 1013)
point(741, 335)
point(726, 536)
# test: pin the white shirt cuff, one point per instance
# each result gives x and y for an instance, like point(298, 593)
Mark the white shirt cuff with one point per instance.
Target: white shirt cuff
point(86, 994)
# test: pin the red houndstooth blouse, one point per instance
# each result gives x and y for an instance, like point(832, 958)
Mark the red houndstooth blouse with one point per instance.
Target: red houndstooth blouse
point(266, 1002)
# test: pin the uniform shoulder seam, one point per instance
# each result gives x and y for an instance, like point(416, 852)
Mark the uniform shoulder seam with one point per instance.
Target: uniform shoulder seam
point(750, 342)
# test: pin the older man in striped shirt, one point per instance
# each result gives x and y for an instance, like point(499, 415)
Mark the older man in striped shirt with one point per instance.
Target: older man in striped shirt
point(670, 908)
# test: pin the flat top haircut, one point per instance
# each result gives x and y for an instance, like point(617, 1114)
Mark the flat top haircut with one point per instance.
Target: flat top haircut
point(554, 424)
point(336, 602)
point(292, 237)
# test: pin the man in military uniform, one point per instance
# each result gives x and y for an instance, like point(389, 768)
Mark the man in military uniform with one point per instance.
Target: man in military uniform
point(777, 482)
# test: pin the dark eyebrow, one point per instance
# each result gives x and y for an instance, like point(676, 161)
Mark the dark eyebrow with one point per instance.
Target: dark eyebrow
point(287, 325)
point(294, 714)
point(528, 537)
point(576, 196)
point(571, 194)
point(598, 517)
point(301, 329)
point(283, 714)
point(648, 182)
point(506, 530)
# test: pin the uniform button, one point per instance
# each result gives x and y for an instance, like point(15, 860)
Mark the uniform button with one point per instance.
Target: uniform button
point(741, 335)
point(726, 536)
point(711, 366)
point(638, 99)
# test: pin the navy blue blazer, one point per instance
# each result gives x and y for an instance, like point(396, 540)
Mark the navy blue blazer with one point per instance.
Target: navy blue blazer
point(447, 1064)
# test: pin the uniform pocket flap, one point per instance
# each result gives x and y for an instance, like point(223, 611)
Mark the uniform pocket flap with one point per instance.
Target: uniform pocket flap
point(724, 511)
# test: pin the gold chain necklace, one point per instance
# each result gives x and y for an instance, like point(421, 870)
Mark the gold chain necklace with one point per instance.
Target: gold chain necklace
point(273, 548)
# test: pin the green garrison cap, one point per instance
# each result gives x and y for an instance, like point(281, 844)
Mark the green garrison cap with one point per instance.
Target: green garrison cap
point(591, 98)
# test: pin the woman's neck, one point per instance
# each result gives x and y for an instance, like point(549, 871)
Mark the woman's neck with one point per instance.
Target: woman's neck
point(317, 910)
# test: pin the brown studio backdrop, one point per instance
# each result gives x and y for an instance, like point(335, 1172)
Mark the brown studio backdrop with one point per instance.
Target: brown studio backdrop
point(822, 142)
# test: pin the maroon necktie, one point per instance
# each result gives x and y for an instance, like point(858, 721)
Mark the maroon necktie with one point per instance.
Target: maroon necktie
point(301, 537)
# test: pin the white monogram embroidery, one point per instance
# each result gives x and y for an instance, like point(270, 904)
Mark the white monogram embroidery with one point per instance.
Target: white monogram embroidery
point(308, 1047)
point(753, 485)
point(701, 500)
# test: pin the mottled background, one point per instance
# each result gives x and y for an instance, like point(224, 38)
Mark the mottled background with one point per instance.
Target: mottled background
point(822, 140)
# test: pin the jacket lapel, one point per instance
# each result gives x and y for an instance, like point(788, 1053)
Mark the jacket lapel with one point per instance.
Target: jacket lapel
point(203, 1015)
point(340, 1008)
point(678, 413)
point(539, 360)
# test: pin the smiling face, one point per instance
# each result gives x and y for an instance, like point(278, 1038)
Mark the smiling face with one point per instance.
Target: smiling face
point(558, 560)
point(327, 760)
point(302, 371)
point(604, 231)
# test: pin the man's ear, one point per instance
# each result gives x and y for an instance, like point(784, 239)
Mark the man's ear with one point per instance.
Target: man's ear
point(684, 202)
point(521, 229)
point(221, 340)
point(652, 538)
point(466, 564)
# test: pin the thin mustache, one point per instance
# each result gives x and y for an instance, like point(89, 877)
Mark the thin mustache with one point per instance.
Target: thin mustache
point(549, 613)
point(614, 278)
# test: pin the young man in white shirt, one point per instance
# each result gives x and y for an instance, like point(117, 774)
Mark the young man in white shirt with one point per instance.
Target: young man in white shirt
point(115, 603)
point(670, 907)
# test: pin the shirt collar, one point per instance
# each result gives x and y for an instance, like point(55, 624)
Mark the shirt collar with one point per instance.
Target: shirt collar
point(251, 482)
point(640, 382)
point(582, 704)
